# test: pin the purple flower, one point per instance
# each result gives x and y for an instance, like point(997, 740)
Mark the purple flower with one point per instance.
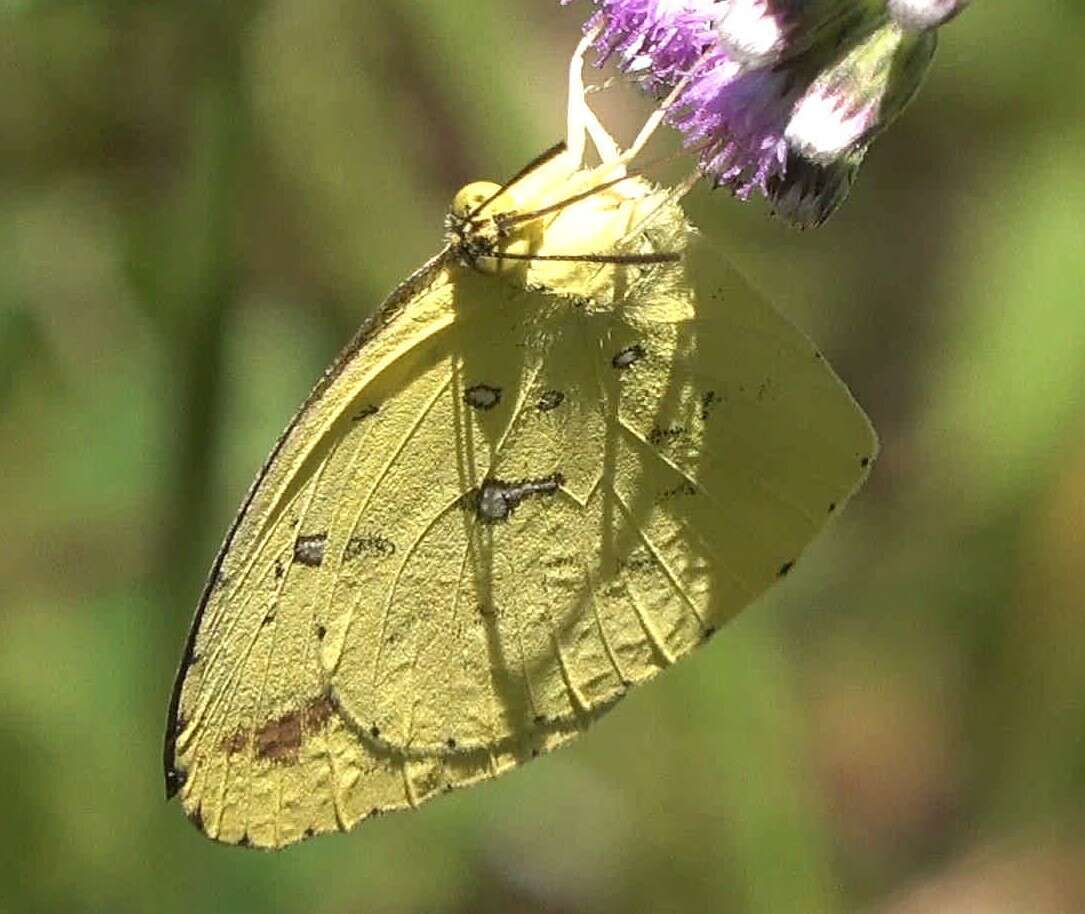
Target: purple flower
point(735, 117)
point(657, 41)
point(780, 96)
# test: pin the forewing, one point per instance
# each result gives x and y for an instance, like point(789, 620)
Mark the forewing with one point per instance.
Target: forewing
point(346, 659)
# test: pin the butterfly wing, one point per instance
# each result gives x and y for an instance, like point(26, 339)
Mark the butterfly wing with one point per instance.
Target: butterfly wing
point(342, 643)
point(489, 521)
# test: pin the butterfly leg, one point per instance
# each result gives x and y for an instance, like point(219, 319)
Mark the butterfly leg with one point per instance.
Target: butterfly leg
point(609, 153)
point(652, 124)
point(583, 122)
point(575, 133)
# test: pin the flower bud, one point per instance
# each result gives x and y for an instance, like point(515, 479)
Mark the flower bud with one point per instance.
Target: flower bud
point(861, 94)
point(924, 15)
point(762, 32)
point(654, 41)
point(808, 193)
point(779, 96)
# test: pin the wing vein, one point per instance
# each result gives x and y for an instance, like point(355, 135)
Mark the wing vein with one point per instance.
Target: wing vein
point(607, 647)
point(385, 469)
point(657, 556)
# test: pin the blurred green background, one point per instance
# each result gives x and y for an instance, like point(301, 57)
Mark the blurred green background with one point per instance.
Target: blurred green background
point(198, 204)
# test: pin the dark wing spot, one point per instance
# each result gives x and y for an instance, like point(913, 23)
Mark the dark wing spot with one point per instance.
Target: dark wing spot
point(550, 399)
point(451, 743)
point(709, 631)
point(375, 731)
point(309, 550)
point(628, 356)
point(371, 545)
point(279, 740)
point(665, 436)
point(364, 413)
point(279, 570)
point(685, 487)
point(785, 568)
point(269, 617)
point(482, 396)
point(493, 506)
point(708, 400)
point(244, 841)
point(496, 500)
point(321, 631)
point(637, 560)
point(865, 462)
point(832, 507)
point(308, 833)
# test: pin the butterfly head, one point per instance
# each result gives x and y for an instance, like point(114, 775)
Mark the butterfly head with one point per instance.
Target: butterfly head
point(471, 229)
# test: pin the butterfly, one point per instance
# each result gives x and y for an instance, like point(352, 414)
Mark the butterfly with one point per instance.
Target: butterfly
point(555, 460)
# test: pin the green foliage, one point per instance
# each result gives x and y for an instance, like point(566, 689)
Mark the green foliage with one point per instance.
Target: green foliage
point(196, 211)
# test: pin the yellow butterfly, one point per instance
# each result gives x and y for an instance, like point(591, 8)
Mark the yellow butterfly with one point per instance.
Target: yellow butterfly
point(557, 458)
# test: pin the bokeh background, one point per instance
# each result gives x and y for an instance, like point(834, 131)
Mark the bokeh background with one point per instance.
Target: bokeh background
point(200, 201)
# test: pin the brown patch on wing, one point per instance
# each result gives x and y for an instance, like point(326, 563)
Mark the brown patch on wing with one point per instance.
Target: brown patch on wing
point(279, 740)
